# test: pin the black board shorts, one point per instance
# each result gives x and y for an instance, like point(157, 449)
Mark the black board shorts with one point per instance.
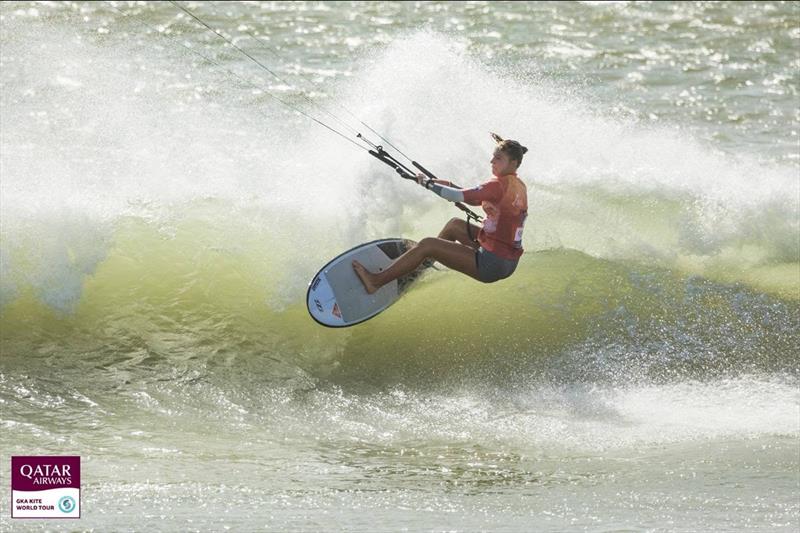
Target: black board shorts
point(492, 268)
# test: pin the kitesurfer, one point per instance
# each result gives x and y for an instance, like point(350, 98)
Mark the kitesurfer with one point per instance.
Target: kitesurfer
point(489, 253)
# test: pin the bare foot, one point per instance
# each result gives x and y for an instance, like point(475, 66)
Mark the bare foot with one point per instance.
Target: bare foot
point(366, 277)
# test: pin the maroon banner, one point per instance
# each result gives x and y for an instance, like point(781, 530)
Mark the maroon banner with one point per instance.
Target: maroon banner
point(43, 472)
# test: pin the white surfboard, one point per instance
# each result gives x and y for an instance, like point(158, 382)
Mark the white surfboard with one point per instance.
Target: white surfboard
point(336, 297)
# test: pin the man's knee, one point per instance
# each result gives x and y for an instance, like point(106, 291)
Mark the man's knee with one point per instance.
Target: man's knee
point(427, 244)
point(452, 229)
point(454, 223)
point(428, 247)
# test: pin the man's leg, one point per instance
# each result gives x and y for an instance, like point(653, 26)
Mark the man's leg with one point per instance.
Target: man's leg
point(452, 255)
point(456, 230)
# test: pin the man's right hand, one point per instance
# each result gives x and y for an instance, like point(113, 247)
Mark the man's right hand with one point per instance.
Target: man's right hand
point(424, 180)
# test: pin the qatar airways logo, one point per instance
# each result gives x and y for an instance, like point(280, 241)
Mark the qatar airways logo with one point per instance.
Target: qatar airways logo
point(47, 474)
point(45, 486)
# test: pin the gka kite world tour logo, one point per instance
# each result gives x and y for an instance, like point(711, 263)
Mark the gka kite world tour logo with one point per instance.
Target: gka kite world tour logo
point(46, 486)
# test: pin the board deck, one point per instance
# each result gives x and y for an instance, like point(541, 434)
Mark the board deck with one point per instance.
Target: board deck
point(336, 297)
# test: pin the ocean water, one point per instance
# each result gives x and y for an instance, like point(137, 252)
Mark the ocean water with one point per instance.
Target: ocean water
point(161, 214)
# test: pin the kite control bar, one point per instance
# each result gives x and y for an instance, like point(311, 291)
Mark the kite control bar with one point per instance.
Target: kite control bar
point(381, 155)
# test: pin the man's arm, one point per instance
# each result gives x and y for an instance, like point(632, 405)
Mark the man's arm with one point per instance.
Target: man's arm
point(490, 191)
point(447, 192)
